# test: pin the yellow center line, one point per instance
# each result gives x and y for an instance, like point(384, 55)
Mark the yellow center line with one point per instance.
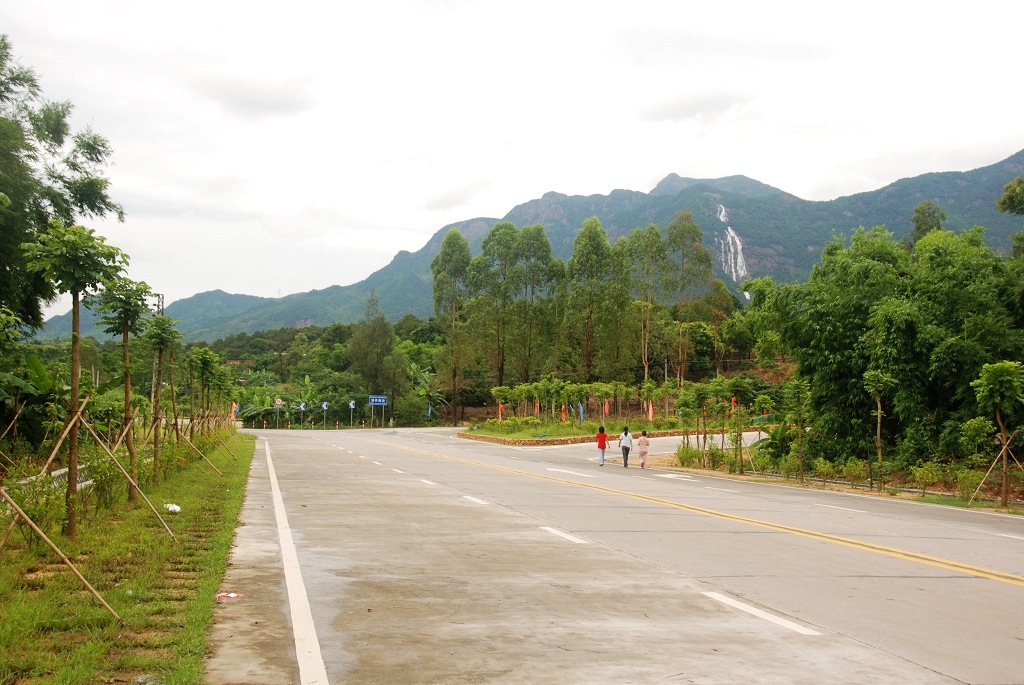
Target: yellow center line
point(895, 552)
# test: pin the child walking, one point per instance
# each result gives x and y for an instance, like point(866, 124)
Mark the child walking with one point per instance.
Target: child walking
point(642, 446)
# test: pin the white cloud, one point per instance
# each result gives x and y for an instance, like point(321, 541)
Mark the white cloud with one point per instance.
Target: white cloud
point(264, 148)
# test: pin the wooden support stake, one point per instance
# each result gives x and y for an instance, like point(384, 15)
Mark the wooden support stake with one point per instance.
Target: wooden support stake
point(67, 429)
point(130, 479)
point(200, 453)
point(63, 558)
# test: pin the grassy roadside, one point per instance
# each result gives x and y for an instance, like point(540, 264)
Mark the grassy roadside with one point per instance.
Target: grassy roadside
point(53, 631)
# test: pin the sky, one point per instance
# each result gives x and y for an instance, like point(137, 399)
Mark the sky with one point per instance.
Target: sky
point(273, 148)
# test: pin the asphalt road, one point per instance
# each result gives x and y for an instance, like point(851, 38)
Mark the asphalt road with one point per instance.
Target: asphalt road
point(414, 556)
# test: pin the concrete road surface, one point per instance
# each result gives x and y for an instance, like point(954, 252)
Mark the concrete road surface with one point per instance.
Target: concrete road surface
point(414, 556)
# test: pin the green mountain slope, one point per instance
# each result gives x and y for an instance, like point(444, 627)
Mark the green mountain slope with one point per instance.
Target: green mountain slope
point(781, 235)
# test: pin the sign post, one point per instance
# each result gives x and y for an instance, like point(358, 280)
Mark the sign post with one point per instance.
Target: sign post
point(351, 406)
point(378, 401)
point(277, 403)
point(324, 405)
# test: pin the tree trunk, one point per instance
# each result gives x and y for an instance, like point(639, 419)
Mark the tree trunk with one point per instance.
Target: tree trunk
point(878, 439)
point(129, 440)
point(157, 418)
point(71, 494)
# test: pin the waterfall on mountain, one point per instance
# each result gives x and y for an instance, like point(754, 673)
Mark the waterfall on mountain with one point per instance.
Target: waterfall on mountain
point(730, 249)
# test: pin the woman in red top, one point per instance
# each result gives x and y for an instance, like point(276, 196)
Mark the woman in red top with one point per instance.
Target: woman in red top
point(602, 443)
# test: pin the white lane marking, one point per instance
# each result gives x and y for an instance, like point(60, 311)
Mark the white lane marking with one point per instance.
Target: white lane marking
point(1012, 537)
point(428, 482)
point(581, 475)
point(571, 538)
point(474, 499)
point(708, 487)
point(859, 511)
point(761, 614)
point(677, 475)
point(307, 646)
point(360, 456)
point(398, 471)
point(378, 463)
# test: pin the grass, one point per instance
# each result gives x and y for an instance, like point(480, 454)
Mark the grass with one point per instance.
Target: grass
point(53, 631)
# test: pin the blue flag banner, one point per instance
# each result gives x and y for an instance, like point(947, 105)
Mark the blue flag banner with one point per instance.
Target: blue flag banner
point(430, 411)
point(580, 405)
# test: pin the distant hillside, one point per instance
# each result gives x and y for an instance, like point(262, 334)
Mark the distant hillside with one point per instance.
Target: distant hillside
point(753, 229)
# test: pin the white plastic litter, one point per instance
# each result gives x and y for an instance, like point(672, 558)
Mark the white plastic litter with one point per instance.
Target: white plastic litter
point(173, 508)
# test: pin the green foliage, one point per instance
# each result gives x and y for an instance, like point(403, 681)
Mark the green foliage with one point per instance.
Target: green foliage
point(967, 483)
point(42, 500)
point(855, 471)
point(926, 474)
point(824, 469)
point(1012, 199)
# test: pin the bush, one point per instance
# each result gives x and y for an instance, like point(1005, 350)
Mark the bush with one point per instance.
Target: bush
point(687, 456)
point(967, 482)
point(926, 474)
point(789, 466)
point(665, 423)
point(716, 458)
point(824, 469)
point(42, 500)
point(855, 470)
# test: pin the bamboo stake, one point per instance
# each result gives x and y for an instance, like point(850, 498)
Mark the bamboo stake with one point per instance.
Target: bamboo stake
point(203, 456)
point(63, 558)
point(130, 479)
point(1006, 448)
point(13, 421)
point(217, 435)
point(64, 434)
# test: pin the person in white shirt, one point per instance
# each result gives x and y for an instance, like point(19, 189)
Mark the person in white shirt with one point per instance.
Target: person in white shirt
point(625, 442)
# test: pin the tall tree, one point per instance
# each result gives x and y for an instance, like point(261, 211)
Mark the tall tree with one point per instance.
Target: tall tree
point(76, 261)
point(685, 244)
point(1012, 199)
point(492, 278)
point(928, 216)
point(590, 273)
point(373, 339)
point(538, 276)
point(123, 306)
point(48, 172)
point(450, 269)
point(650, 273)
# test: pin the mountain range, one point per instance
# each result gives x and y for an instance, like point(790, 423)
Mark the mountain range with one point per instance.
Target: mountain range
point(752, 229)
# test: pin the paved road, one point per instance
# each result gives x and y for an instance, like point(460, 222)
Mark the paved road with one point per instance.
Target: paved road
point(413, 556)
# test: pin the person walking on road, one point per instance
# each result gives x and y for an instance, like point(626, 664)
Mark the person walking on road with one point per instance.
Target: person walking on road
point(642, 445)
point(625, 442)
point(602, 445)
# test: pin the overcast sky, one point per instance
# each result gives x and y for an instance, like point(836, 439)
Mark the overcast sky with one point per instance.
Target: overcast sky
point(273, 148)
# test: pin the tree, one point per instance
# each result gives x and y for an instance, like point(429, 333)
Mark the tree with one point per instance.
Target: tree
point(590, 274)
point(1000, 388)
point(492, 277)
point(75, 260)
point(49, 173)
point(373, 340)
point(685, 244)
point(450, 269)
point(797, 394)
point(122, 304)
point(650, 273)
point(533, 315)
point(928, 216)
point(1012, 199)
point(163, 338)
point(877, 384)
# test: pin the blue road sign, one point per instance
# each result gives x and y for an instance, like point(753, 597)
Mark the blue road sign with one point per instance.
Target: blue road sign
point(379, 400)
